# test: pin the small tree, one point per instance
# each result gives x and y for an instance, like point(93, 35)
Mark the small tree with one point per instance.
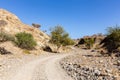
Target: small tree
point(25, 40)
point(60, 37)
point(36, 25)
point(112, 40)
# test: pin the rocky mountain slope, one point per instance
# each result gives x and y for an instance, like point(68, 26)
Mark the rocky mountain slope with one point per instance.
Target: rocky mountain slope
point(11, 24)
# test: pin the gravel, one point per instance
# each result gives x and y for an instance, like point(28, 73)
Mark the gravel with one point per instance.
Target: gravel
point(10, 63)
point(82, 67)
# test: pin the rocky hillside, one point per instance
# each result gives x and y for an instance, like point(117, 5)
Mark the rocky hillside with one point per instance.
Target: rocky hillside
point(11, 24)
point(97, 38)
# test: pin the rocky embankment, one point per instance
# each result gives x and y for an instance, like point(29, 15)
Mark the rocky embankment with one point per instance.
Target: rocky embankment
point(86, 65)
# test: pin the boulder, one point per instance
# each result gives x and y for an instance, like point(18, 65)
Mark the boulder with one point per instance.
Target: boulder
point(3, 51)
point(50, 48)
point(55, 49)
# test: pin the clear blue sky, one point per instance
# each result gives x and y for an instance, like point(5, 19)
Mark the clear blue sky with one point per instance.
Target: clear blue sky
point(78, 17)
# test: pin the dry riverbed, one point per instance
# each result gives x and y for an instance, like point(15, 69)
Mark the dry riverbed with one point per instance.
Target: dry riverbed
point(87, 65)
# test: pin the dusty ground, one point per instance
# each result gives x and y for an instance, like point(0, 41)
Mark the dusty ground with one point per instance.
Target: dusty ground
point(32, 67)
point(73, 66)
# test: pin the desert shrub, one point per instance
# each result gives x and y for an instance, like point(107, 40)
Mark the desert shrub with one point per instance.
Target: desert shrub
point(36, 25)
point(112, 40)
point(67, 41)
point(6, 37)
point(60, 37)
point(89, 42)
point(25, 40)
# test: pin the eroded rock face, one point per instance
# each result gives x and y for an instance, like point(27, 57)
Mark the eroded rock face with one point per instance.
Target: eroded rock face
point(11, 24)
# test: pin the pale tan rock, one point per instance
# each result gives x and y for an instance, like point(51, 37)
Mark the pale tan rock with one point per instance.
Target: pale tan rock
point(14, 25)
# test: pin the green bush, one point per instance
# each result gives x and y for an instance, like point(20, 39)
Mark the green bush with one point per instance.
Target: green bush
point(112, 40)
point(60, 37)
point(89, 42)
point(6, 37)
point(25, 40)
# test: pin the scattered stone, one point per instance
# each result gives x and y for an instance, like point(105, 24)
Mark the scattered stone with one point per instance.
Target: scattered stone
point(108, 71)
point(80, 67)
point(4, 51)
point(97, 72)
point(118, 62)
point(101, 61)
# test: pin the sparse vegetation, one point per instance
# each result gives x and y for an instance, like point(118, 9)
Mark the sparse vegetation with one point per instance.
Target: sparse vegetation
point(25, 40)
point(89, 42)
point(36, 25)
point(60, 37)
point(112, 40)
point(6, 37)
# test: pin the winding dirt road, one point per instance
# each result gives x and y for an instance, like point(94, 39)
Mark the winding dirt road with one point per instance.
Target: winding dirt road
point(44, 68)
